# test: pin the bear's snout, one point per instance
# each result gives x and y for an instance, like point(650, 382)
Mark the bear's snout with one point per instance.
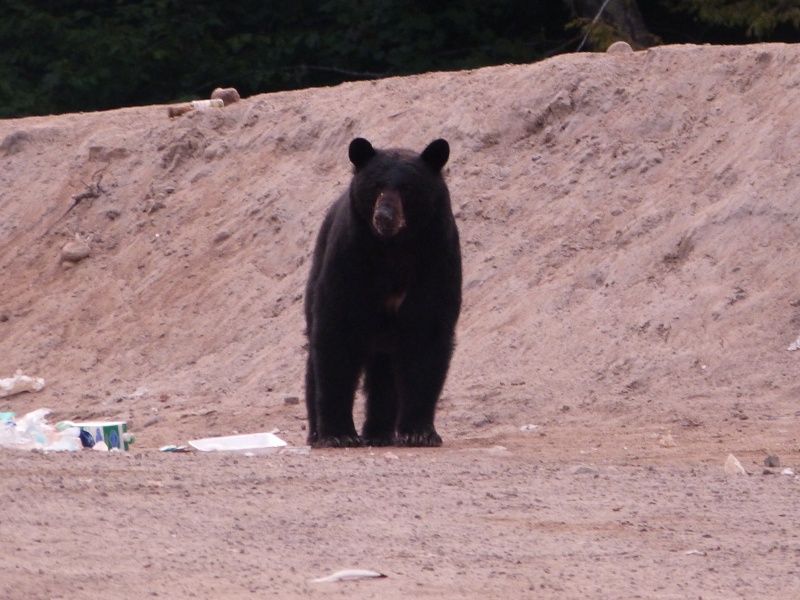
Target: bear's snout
point(388, 217)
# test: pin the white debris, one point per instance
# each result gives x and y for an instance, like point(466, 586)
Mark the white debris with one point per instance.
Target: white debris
point(349, 575)
point(733, 466)
point(20, 383)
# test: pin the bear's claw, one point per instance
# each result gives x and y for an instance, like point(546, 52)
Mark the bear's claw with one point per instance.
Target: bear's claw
point(424, 439)
point(338, 441)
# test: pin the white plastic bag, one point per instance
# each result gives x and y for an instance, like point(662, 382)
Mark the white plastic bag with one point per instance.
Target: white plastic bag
point(20, 383)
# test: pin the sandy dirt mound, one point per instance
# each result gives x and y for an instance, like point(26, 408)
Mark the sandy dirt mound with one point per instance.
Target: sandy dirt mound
point(630, 238)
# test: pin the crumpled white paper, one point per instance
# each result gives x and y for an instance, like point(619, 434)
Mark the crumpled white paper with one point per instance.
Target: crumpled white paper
point(20, 383)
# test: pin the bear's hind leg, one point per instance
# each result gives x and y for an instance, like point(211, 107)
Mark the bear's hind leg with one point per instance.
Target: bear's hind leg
point(379, 384)
point(311, 402)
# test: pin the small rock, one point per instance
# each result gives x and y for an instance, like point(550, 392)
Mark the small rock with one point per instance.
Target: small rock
point(221, 237)
point(772, 461)
point(150, 422)
point(292, 400)
point(733, 466)
point(667, 441)
point(583, 470)
point(75, 251)
point(227, 95)
point(113, 213)
point(619, 48)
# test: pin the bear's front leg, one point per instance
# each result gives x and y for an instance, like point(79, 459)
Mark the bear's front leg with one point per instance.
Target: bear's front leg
point(335, 371)
point(422, 372)
point(381, 418)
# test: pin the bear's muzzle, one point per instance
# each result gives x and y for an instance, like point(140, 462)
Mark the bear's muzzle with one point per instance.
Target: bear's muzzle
point(388, 217)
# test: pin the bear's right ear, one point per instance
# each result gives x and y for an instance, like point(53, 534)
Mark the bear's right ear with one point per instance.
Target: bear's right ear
point(360, 152)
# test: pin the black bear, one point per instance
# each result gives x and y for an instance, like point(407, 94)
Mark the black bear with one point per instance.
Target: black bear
point(383, 298)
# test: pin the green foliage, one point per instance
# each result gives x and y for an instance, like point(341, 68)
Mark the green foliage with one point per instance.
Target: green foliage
point(759, 18)
point(68, 55)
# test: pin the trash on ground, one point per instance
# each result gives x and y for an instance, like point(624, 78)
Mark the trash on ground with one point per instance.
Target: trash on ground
point(265, 442)
point(20, 383)
point(32, 432)
point(349, 575)
point(695, 553)
point(174, 449)
point(733, 466)
point(111, 434)
point(788, 472)
point(529, 427)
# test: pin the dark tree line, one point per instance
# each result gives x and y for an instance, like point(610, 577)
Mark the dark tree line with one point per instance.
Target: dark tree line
point(66, 55)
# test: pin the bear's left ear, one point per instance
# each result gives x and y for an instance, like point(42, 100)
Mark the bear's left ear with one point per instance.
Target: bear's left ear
point(360, 152)
point(436, 154)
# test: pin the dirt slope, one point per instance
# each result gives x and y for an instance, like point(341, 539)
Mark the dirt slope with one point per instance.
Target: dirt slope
point(629, 225)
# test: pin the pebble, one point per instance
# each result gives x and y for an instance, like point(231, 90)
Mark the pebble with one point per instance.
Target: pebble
point(227, 95)
point(733, 466)
point(583, 470)
point(619, 48)
point(772, 461)
point(75, 251)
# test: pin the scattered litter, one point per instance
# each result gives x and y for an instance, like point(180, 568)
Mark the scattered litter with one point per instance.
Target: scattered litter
point(695, 553)
point(349, 575)
point(795, 345)
point(220, 98)
point(87, 441)
point(733, 466)
point(112, 434)
point(20, 383)
point(498, 450)
point(772, 461)
point(390, 456)
point(32, 432)
point(529, 427)
point(174, 449)
point(236, 443)
point(788, 472)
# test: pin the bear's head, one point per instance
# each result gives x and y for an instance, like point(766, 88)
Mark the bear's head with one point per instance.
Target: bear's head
point(397, 192)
